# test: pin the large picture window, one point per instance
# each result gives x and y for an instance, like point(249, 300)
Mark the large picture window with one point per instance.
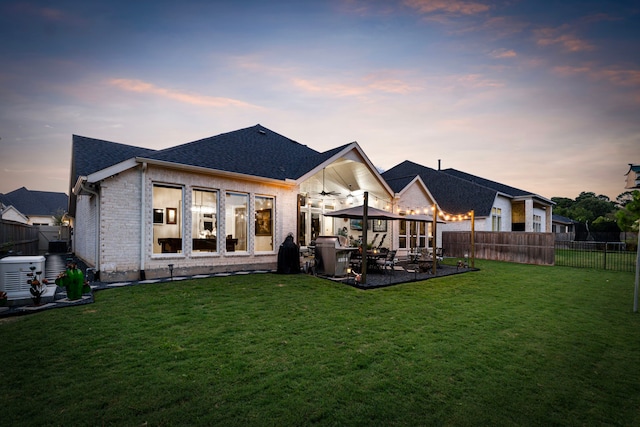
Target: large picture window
point(264, 230)
point(167, 219)
point(204, 219)
point(236, 221)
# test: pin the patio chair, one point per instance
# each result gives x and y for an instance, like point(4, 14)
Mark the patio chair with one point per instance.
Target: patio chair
point(388, 261)
point(439, 256)
point(355, 262)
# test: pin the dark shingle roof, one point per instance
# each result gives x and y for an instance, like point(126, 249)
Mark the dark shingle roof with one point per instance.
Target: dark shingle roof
point(30, 203)
point(562, 219)
point(89, 155)
point(506, 189)
point(255, 151)
point(453, 195)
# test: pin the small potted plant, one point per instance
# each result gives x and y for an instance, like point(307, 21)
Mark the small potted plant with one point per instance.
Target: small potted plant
point(38, 287)
point(3, 298)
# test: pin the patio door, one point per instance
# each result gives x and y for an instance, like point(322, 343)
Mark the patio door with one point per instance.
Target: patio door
point(414, 234)
point(312, 223)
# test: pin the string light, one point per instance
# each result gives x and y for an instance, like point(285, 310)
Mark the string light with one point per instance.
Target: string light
point(442, 214)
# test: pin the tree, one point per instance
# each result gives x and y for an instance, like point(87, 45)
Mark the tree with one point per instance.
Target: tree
point(623, 199)
point(586, 208)
point(58, 217)
point(628, 216)
point(563, 206)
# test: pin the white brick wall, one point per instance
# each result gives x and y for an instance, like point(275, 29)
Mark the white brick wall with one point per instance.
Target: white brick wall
point(120, 222)
point(84, 232)
point(120, 238)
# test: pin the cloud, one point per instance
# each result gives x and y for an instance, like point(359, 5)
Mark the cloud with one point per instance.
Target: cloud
point(503, 53)
point(454, 7)
point(475, 81)
point(619, 77)
point(382, 82)
point(140, 86)
point(559, 36)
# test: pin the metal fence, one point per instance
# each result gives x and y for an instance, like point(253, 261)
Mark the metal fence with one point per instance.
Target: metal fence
point(597, 255)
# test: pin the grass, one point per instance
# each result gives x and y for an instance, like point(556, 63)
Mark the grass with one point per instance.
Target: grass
point(508, 345)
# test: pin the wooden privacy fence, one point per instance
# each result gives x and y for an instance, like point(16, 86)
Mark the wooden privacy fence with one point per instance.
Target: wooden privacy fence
point(521, 247)
point(18, 238)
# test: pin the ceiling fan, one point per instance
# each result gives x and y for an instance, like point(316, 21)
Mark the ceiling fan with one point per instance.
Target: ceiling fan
point(327, 193)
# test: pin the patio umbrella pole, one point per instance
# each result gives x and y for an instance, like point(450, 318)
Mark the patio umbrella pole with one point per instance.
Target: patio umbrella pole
point(365, 212)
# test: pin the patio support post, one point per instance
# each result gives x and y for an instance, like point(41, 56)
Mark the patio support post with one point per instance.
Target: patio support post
point(637, 283)
point(365, 213)
point(473, 239)
point(435, 240)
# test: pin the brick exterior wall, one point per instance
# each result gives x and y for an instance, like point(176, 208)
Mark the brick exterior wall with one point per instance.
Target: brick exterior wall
point(84, 229)
point(121, 232)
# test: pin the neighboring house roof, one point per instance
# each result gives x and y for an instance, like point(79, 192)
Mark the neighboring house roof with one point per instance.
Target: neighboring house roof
point(633, 179)
point(10, 213)
point(562, 220)
point(35, 203)
point(454, 195)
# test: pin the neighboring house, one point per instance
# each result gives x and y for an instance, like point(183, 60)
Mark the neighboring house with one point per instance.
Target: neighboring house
point(9, 213)
point(562, 224)
point(496, 207)
point(633, 177)
point(33, 207)
point(218, 204)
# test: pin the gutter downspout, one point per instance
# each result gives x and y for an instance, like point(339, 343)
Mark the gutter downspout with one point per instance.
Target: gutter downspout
point(143, 210)
point(97, 249)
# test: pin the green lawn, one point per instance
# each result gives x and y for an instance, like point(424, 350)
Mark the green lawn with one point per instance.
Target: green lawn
point(508, 345)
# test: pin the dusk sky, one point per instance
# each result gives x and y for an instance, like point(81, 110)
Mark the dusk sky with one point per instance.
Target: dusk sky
point(543, 96)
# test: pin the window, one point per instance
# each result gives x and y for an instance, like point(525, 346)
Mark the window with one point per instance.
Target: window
point(236, 222)
point(496, 219)
point(264, 223)
point(167, 219)
point(537, 223)
point(413, 234)
point(204, 219)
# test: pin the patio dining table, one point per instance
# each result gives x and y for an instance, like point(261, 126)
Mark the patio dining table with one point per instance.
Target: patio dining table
point(372, 260)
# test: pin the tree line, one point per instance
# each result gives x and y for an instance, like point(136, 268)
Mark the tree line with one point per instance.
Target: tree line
point(600, 213)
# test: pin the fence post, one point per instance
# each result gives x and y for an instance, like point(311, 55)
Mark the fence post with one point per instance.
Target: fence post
point(606, 245)
point(637, 281)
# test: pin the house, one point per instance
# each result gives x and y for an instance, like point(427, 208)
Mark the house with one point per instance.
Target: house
point(633, 177)
point(496, 207)
point(218, 204)
point(562, 224)
point(33, 207)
